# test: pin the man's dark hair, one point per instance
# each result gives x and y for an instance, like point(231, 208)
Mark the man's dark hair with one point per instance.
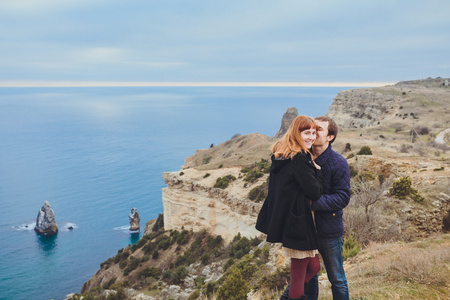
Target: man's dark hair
point(332, 126)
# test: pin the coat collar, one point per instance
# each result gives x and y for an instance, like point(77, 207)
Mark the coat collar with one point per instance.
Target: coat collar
point(322, 158)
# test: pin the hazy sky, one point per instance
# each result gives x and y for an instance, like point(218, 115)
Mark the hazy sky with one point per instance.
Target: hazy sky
point(224, 41)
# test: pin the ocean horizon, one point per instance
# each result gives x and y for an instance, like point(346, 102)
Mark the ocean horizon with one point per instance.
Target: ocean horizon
point(95, 153)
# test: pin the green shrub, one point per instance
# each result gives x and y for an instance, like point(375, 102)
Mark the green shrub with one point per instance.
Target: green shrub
point(194, 295)
point(253, 175)
point(159, 224)
point(259, 192)
point(181, 173)
point(222, 182)
point(107, 285)
point(132, 265)
point(206, 175)
point(365, 150)
point(276, 280)
point(155, 255)
point(234, 287)
point(148, 248)
point(239, 246)
point(199, 281)
point(351, 155)
point(350, 248)
point(164, 242)
point(206, 160)
point(247, 267)
point(211, 288)
point(178, 274)
point(366, 176)
point(402, 188)
point(150, 272)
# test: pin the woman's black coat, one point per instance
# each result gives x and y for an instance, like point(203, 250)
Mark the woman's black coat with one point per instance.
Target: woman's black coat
point(286, 213)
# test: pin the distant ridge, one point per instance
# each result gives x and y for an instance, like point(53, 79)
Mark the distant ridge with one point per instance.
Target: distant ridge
point(186, 84)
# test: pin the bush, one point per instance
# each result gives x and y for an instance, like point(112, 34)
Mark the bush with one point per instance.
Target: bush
point(276, 280)
point(150, 272)
point(240, 246)
point(353, 171)
point(132, 265)
point(211, 288)
point(253, 175)
point(402, 188)
point(206, 175)
point(351, 155)
point(348, 147)
point(365, 150)
point(234, 287)
point(159, 224)
point(222, 182)
point(259, 193)
point(350, 248)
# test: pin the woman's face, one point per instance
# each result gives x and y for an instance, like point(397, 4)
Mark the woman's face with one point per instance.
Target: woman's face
point(308, 137)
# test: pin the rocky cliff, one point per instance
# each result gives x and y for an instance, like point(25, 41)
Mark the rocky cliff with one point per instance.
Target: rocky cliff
point(381, 118)
point(192, 202)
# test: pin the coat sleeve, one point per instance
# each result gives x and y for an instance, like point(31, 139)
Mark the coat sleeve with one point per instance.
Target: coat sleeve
point(339, 197)
point(308, 177)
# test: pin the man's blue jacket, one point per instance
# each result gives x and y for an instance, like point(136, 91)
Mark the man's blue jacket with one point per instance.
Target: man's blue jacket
point(336, 194)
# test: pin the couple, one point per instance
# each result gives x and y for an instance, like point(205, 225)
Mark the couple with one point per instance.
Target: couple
point(309, 186)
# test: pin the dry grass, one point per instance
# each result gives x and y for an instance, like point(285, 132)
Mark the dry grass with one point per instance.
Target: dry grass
point(417, 270)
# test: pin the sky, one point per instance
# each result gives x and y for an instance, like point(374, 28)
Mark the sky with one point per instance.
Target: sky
point(201, 41)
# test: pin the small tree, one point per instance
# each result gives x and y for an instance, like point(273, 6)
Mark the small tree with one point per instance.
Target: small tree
point(365, 150)
point(402, 188)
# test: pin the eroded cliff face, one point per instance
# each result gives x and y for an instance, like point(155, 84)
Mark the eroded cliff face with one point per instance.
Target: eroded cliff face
point(191, 202)
point(362, 108)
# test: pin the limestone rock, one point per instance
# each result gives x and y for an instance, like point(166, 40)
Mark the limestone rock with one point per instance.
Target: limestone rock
point(286, 121)
point(45, 221)
point(361, 108)
point(134, 220)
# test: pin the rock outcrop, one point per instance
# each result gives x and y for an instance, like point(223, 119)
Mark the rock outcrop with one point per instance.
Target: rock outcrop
point(191, 202)
point(286, 121)
point(362, 108)
point(134, 220)
point(45, 221)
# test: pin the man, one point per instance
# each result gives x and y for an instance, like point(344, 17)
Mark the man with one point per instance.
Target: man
point(328, 211)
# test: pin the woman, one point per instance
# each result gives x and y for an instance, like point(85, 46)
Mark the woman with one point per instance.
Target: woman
point(286, 215)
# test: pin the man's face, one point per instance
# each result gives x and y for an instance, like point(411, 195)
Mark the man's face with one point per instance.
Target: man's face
point(322, 137)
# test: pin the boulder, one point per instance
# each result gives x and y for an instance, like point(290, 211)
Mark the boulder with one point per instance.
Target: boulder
point(45, 221)
point(134, 220)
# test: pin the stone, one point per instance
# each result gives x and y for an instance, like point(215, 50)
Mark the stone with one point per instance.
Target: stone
point(45, 221)
point(134, 220)
point(286, 121)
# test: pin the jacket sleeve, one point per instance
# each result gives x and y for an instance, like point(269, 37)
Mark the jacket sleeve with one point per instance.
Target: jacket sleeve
point(339, 197)
point(308, 177)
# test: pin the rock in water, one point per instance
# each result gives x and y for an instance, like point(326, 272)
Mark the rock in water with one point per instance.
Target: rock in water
point(134, 220)
point(286, 121)
point(45, 221)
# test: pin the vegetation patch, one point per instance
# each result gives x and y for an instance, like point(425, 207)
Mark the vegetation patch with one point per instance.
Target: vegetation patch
point(223, 182)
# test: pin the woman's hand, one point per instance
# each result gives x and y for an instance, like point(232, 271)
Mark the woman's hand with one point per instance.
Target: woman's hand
point(317, 166)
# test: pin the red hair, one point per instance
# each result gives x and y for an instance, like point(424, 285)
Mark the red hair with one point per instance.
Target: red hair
point(291, 143)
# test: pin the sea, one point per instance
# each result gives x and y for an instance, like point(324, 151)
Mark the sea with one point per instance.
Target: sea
point(97, 152)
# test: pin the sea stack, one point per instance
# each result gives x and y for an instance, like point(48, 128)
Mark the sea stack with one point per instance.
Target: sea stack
point(134, 220)
point(286, 121)
point(45, 221)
